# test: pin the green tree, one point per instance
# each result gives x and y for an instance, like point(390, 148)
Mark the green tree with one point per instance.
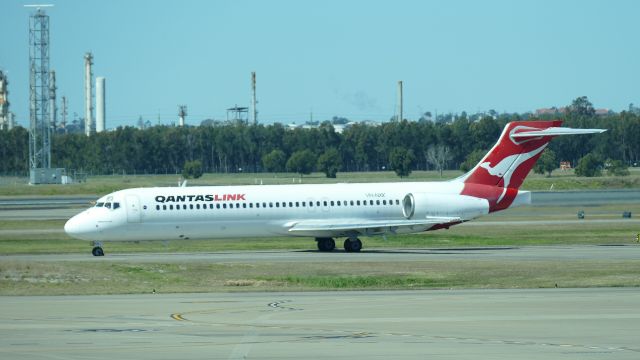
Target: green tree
point(275, 161)
point(472, 160)
point(192, 169)
point(589, 166)
point(547, 163)
point(301, 162)
point(617, 168)
point(582, 106)
point(401, 161)
point(329, 162)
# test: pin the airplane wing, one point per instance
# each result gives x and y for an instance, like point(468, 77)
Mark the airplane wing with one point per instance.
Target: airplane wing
point(344, 227)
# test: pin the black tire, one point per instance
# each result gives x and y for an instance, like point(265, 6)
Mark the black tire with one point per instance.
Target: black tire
point(347, 245)
point(97, 251)
point(356, 245)
point(326, 244)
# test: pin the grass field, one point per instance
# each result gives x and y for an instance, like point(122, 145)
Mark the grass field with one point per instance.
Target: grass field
point(100, 185)
point(18, 278)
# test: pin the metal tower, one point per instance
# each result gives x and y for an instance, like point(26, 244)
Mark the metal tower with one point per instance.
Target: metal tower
point(254, 102)
point(40, 127)
point(5, 115)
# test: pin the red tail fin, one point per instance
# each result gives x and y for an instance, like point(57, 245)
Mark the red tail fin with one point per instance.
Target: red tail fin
point(500, 173)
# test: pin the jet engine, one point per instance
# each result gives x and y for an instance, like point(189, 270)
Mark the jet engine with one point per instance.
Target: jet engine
point(421, 205)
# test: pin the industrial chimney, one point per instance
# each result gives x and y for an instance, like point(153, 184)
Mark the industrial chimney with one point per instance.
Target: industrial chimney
point(88, 108)
point(100, 104)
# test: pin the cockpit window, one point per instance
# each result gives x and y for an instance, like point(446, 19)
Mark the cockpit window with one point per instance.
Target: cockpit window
point(100, 204)
point(108, 205)
point(116, 205)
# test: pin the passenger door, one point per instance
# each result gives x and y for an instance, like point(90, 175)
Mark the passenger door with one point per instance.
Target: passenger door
point(133, 208)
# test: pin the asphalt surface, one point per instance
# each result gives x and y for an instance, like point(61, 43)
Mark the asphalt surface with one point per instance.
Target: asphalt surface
point(548, 253)
point(468, 324)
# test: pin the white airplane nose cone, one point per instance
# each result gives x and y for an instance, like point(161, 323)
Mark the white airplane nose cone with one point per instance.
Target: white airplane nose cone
point(78, 227)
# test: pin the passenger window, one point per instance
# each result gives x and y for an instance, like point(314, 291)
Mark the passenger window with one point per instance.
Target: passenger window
point(217, 206)
point(258, 205)
point(384, 202)
point(198, 206)
point(264, 204)
point(164, 207)
point(324, 203)
point(332, 203)
point(397, 202)
point(318, 203)
point(297, 204)
point(278, 204)
point(237, 205)
point(310, 203)
point(157, 207)
point(244, 205)
point(184, 206)
point(170, 207)
point(210, 206)
point(290, 204)
point(224, 206)
point(370, 202)
point(191, 206)
point(351, 203)
point(338, 202)
point(270, 205)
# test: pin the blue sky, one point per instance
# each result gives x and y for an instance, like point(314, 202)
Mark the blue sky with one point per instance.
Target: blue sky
point(330, 57)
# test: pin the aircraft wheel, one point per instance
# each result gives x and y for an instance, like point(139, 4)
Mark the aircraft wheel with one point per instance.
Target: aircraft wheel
point(352, 245)
point(326, 244)
point(97, 251)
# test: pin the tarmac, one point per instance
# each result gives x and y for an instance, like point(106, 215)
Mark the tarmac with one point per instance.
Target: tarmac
point(466, 324)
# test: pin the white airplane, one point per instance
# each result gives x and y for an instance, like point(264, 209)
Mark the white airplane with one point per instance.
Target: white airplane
point(323, 212)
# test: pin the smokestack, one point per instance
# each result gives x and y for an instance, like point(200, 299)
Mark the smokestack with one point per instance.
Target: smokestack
point(400, 101)
point(88, 108)
point(52, 100)
point(254, 102)
point(100, 104)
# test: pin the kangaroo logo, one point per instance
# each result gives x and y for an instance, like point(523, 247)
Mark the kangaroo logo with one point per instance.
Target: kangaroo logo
point(507, 166)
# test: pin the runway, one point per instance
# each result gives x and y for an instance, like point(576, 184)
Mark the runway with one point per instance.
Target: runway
point(528, 253)
point(467, 324)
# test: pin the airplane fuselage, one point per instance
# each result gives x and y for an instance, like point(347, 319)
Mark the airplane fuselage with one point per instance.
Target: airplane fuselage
point(209, 212)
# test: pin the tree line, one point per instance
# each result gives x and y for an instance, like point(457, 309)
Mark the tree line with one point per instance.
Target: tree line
point(240, 147)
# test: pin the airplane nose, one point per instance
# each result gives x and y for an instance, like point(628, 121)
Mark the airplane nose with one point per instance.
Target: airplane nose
point(78, 227)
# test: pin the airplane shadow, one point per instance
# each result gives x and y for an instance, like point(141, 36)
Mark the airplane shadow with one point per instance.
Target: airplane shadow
point(434, 251)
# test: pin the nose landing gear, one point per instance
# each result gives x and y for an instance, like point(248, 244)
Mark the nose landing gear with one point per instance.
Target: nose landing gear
point(97, 249)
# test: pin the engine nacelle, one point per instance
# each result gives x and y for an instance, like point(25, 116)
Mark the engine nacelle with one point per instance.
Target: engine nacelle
point(421, 205)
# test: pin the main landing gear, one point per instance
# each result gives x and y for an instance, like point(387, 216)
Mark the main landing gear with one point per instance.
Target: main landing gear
point(352, 245)
point(97, 249)
point(328, 244)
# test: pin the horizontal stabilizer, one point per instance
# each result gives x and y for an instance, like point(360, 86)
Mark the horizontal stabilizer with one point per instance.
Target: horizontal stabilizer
point(555, 131)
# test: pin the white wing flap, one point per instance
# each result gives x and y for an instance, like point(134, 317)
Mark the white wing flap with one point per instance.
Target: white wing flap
point(362, 226)
point(555, 131)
